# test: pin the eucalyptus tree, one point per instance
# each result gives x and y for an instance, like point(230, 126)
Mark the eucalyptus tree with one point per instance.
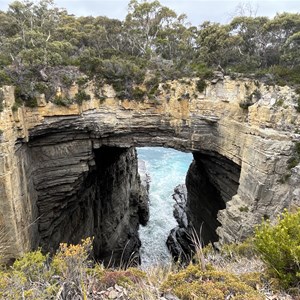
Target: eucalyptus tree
point(216, 45)
point(255, 42)
point(36, 24)
point(285, 30)
point(143, 24)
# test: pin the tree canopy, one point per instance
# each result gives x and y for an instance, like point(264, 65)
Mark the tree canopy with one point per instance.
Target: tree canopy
point(42, 45)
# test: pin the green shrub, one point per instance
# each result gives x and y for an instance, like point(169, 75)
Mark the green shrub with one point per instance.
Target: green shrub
point(1, 101)
point(82, 96)
point(244, 209)
point(298, 105)
point(193, 283)
point(279, 102)
point(241, 249)
point(138, 94)
point(67, 80)
point(82, 81)
point(22, 96)
point(4, 78)
point(32, 265)
point(285, 75)
point(202, 71)
point(31, 102)
point(152, 85)
point(41, 87)
point(201, 85)
point(279, 246)
point(295, 159)
point(257, 94)
point(246, 102)
point(60, 101)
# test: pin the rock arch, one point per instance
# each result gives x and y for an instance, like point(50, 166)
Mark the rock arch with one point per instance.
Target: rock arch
point(210, 124)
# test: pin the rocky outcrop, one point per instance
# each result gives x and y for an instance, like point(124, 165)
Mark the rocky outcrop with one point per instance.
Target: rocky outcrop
point(258, 141)
point(86, 191)
point(212, 180)
point(179, 241)
point(144, 192)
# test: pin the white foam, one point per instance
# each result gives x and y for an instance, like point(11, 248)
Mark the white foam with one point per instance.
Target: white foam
point(167, 168)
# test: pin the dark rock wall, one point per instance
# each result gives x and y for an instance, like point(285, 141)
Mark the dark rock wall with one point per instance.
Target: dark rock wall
point(211, 181)
point(84, 191)
point(121, 201)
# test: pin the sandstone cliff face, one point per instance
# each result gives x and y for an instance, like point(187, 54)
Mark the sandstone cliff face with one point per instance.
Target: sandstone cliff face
point(258, 141)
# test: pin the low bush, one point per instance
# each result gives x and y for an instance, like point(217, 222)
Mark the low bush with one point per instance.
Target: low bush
point(1, 101)
point(298, 104)
point(61, 101)
point(279, 247)
point(138, 94)
point(25, 97)
point(193, 283)
point(201, 85)
point(82, 96)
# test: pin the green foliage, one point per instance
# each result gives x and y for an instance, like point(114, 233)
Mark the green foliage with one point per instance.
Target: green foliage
point(82, 81)
point(245, 249)
point(243, 209)
point(298, 104)
point(71, 272)
point(279, 102)
point(250, 99)
point(138, 94)
point(193, 283)
point(82, 96)
point(23, 97)
point(4, 78)
point(201, 85)
point(257, 94)
point(246, 103)
point(295, 159)
point(37, 39)
point(67, 80)
point(152, 86)
point(62, 101)
point(31, 265)
point(279, 246)
point(283, 75)
point(202, 71)
point(1, 101)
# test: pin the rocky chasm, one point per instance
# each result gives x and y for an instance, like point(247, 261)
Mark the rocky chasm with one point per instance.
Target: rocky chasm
point(71, 172)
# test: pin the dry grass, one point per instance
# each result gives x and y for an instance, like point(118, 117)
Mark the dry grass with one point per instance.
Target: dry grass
point(235, 271)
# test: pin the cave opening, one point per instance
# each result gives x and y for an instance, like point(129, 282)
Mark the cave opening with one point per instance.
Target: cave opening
point(85, 188)
point(200, 183)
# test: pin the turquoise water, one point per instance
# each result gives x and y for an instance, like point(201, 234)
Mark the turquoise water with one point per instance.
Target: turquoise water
point(167, 168)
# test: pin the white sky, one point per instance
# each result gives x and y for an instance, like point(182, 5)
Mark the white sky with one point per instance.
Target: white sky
point(196, 10)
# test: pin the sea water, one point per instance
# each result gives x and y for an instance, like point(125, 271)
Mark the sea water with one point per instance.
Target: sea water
point(167, 168)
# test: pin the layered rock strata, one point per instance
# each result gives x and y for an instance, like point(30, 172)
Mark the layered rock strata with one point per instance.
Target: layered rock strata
point(260, 140)
point(84, 191)
point(212, 180)
point(179, 242)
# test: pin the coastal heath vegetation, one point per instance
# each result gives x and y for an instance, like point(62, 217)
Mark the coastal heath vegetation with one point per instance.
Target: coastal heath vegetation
point(43, 47)
point(264, 266)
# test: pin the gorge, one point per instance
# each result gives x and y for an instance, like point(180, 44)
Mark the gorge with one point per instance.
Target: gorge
point(71, 172)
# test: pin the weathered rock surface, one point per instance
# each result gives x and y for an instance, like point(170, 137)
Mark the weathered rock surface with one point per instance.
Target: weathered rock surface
point(259, 140)
point(179, 241)
point(143, 211)
point(83, 191)
point(212, 180)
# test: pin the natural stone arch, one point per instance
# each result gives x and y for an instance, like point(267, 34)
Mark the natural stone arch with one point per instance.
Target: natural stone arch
point(209, 122)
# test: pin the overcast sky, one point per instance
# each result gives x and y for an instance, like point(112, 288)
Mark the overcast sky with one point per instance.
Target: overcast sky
point(196, 10)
